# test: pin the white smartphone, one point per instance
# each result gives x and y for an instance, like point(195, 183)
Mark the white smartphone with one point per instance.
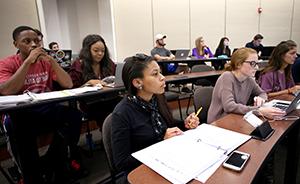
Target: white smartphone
point(236, 160)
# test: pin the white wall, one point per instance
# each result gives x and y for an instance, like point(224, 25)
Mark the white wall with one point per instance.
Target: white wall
point(128, 26)
point(171, 17)
point(207, 14)
point(69, 21)
point(14, 13)
point(133, 27)
point(185, 20)
point(296, 23)
point(276, 19)
point(241, 21)
point(107, 26)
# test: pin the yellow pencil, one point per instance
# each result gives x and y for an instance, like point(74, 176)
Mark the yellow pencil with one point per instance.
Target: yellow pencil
point(198, 112)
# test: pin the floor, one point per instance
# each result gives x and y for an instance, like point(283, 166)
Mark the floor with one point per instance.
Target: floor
point(98, 167)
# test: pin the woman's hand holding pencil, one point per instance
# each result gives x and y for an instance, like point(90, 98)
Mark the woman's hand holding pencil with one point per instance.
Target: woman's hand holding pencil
point(192, 121)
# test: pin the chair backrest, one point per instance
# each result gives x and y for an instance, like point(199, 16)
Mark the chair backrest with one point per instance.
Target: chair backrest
point(201, 68)
point(202, 98)
point(106, 137)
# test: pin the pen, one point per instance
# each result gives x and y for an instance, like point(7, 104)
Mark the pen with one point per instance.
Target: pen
point(197, 113)
point(199, 110)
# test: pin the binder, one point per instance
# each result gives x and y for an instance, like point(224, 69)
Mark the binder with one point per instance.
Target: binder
point(184, 157)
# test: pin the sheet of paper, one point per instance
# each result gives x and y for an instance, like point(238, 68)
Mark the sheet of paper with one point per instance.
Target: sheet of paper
point(83, 89)
point(63, 93)
point(176, 161)
point(14, 99)
point(49, 95)
point(203, 177)
point(252, 119)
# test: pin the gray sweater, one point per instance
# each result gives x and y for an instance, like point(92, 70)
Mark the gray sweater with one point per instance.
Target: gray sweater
point(231, 96)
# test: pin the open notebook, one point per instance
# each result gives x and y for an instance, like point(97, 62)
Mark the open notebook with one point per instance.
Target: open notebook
point(11, 100)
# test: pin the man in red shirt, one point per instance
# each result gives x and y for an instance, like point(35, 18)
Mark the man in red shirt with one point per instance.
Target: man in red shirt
point(32, 69)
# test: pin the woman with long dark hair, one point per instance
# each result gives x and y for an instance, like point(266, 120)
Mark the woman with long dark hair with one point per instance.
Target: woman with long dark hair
point(223, 48)
point(276, 78)
point(142, 118)
point(94, 62)
point(93, 65)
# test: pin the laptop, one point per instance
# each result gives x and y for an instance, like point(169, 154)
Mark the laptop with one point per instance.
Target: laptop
point(267, 51)
point(182, 53)
point(118, 82)
point(287, 106)
point(63, 57)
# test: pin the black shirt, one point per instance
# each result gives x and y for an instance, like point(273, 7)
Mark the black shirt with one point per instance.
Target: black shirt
point(296, 71)
point(257, 48)
point(132, 131)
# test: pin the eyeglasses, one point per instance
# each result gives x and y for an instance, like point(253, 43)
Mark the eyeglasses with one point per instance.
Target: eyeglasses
point(252, 63)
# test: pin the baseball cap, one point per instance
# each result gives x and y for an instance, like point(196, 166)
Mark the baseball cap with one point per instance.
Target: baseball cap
point(160, 36)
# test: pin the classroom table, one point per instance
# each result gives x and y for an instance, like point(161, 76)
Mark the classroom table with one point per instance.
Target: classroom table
point(70, 99)
point(260, 151)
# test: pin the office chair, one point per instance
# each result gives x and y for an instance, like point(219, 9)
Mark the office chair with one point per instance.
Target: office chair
point(199, 82)
point(172, 96)
point(202, 98)
point(106, 136)
point(202, 68)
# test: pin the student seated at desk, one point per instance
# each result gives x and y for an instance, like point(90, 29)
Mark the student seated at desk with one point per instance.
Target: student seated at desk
point(256, 44)
point(142, 118)
point(159, 52)
point(93, 65)
point(33, 70)
point(201, 51)
point(222, 51)
point(234, 88)
point(276, 78)
point(54, 46)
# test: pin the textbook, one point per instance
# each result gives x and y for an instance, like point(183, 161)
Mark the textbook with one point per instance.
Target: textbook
point(11, 100)
point(187, 156)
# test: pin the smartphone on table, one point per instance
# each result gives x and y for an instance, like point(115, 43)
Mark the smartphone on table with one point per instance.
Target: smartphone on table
point(236, 160)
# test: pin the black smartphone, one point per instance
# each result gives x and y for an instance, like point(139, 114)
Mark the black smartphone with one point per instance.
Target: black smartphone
point(236, 160)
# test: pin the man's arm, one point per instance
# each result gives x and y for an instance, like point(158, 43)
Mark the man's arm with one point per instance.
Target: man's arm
point(15, 83)
point(62, 77)
point(158, 57)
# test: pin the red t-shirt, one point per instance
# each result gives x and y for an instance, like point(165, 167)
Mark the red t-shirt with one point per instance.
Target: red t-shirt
point(38, 78)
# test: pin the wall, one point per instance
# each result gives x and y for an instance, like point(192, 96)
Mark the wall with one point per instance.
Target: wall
point(107, 29)
point(14, 13)
point(184, 20)
point(296, 22)
point(133, 27)
point(129, 26)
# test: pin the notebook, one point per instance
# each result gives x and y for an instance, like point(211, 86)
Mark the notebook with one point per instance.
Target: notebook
point(118, 82)
point(182, 53)
point(285, 105)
